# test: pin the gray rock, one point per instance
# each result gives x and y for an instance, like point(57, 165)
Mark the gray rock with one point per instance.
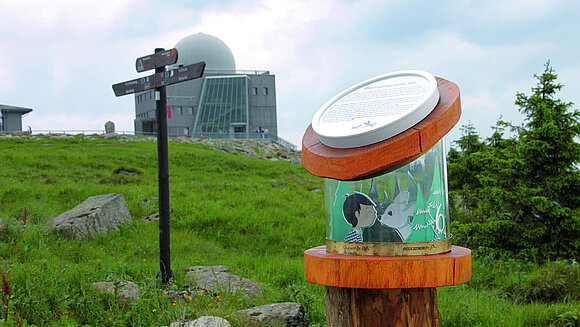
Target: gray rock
point(96, 215)
point(109, 127)
point(204, 321)
point(290, 314)
point(130, 137)
point(125, 290)
point(215, 278)
point(151, 217)
point(111, 136)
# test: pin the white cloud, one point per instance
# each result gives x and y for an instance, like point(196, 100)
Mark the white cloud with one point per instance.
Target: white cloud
point(64, 55)
point(68, 17)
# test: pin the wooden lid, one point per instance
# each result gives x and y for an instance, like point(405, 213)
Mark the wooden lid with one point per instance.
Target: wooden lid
point(355, 271)
point(369, 160)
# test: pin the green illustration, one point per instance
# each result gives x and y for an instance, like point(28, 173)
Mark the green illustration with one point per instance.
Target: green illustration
point(339, 228)
point(421, 226)
point(436, 205)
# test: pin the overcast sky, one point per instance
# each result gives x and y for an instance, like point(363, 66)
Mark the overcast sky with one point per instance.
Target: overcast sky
point(61, 57)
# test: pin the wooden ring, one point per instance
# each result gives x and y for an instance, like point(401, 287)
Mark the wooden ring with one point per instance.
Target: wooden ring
point(362, 162)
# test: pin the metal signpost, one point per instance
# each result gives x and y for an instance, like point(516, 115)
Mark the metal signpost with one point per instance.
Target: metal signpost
point(158, 81)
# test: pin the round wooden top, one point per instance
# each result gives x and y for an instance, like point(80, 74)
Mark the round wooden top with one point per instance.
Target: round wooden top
point(354, 271)
point(369, 160)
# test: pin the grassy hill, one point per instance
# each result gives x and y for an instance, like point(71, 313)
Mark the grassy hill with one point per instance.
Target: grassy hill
point(254, 216)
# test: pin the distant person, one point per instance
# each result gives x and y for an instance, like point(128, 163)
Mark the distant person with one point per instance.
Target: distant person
point(29, 130)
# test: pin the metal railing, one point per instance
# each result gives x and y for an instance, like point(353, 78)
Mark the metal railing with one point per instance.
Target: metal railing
point(77, 131)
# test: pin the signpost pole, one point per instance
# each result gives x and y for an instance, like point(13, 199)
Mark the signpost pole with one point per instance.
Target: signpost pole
point(163, 173)
point(158, 82)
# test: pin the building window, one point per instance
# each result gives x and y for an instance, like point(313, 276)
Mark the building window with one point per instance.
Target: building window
point(186, 131)
point(254, 91)
point(179, 110)
point(223, 105)
point(189, 110)
point(264, 91)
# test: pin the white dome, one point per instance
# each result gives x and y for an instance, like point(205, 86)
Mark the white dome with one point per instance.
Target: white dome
point(204, 47)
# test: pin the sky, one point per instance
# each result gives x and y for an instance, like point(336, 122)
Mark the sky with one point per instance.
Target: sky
point(61, 57)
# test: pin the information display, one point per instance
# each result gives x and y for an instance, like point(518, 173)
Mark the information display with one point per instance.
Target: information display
point(376, 109)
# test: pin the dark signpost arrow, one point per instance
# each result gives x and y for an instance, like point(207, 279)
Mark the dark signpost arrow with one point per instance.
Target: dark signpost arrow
point(159, 81)
point(158, 59)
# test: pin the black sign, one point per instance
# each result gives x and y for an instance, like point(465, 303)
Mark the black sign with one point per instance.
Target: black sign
point(169, 77)
point(159, 59)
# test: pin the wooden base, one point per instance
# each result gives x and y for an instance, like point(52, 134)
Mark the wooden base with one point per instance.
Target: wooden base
point(370, 291)
point(350, 307)
point(358, 271)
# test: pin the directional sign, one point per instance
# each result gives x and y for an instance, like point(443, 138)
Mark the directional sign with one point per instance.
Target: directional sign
point(169, 77)
point(159, 59)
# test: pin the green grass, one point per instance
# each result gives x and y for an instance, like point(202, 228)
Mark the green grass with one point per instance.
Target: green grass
point(254, 216)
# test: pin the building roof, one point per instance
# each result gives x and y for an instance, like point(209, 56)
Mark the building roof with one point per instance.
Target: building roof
point(21, 110)
point(204, 47)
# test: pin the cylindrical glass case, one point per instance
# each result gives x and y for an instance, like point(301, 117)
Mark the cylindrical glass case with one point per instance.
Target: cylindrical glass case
point(408, 204)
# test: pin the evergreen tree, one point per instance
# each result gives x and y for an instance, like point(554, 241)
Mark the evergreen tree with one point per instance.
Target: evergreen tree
point(521, 194)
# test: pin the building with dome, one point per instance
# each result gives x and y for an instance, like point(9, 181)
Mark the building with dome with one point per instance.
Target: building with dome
point(223, 103)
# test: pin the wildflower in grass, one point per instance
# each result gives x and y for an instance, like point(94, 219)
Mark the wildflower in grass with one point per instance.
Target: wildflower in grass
point(153, 310)
point(189, 297)
point(6, 294)
point(24, 216)
point(226, 316)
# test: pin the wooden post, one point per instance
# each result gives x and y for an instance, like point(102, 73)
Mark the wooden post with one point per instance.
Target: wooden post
point(347, 307)
point(163, 174)
point(371, 291)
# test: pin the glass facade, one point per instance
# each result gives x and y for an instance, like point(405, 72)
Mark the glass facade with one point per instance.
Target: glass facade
point(224, 106)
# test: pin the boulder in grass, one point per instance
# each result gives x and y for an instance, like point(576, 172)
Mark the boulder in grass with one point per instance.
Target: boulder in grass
point(203, 321)
point(290, 314)
point(215, 278)
point(97, 215)
point(125, 290)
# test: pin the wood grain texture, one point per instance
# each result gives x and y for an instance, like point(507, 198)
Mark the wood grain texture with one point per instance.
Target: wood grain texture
point(348, 307)
point(356, 163)
point(353, 271)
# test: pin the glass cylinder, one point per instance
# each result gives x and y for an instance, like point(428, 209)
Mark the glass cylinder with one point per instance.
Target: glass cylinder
point(408, 204)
